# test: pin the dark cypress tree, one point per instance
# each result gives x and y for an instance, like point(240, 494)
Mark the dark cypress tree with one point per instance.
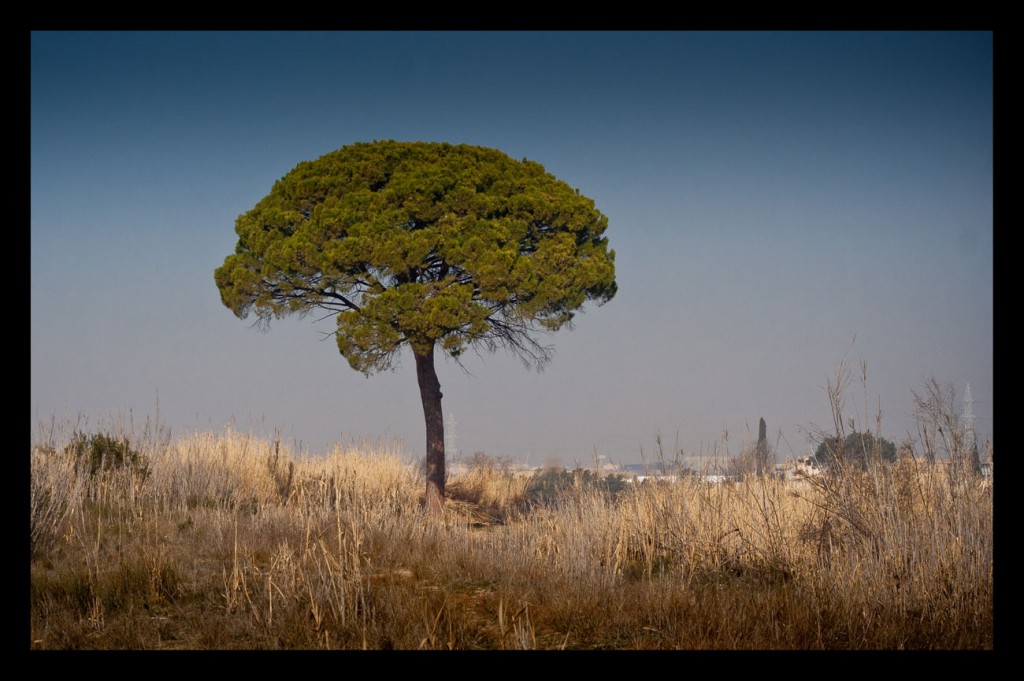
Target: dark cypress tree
point(761, 452)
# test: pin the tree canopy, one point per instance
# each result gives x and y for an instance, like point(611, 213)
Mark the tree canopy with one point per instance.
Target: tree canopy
point(855, 449)
point(421, 243)
point(424, 244)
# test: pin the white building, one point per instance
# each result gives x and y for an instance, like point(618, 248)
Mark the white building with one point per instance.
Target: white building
point(804, 467)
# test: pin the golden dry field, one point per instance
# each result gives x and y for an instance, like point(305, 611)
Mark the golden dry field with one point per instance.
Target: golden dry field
point(227, 541)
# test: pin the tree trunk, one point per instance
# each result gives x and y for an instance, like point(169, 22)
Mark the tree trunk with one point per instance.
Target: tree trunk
point(430, 395)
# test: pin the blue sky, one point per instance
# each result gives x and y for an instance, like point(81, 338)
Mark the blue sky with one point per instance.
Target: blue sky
point(770, 196)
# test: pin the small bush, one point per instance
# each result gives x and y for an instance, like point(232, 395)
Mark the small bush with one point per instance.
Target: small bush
point(101, 452)
point(553, 486)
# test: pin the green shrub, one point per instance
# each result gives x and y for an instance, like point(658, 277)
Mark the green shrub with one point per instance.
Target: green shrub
point(101, 452)
point(554, 486)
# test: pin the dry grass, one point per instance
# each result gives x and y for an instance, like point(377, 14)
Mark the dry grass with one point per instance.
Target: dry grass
point(228, 541)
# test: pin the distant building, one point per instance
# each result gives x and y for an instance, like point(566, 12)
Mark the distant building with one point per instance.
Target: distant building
point(804, 467)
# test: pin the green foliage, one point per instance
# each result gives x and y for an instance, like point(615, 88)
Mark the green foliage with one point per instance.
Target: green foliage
point(761, 450)
point(855, 449)
point(421, 243)
point(101, 452)
point(554, 486)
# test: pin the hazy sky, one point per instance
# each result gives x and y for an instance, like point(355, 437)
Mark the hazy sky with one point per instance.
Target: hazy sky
point(770, 197)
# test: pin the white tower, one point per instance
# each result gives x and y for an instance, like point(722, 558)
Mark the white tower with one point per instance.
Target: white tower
point(967, 418)
point(967, 423)
point(450, 437)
